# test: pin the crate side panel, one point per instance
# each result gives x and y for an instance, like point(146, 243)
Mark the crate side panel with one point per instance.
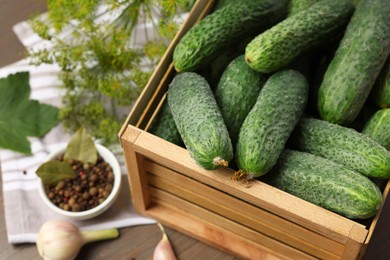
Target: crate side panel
point(243, 213)
point(260, 194)
point(220, 222)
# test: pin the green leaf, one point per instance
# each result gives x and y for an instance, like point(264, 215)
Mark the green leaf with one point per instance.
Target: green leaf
point(21, 117)
point(47, 119)
point(13, 139)
point(81, 148)
point(54, 171)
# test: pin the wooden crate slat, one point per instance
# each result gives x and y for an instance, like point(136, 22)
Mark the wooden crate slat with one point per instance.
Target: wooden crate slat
point(242, 212)
point(227, 225)
point(155, 99)
point(149, 123)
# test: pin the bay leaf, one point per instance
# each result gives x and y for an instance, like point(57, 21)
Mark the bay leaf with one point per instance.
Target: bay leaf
point(81, 147)
point(54, 171)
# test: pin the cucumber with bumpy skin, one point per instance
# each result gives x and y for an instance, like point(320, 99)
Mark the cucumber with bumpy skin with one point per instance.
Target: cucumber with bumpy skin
point(356, 63)
point(326, 184)
point(378, 127)
point(164, 126)
point(223, 28)
point(236, 93)
point(199, 120)
point(297, 34)
point(222, 3)
point(268, 125)
point(295, 6)
point(381, 89)
point(343, 145)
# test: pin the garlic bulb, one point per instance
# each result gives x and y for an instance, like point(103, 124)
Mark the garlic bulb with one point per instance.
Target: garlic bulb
point(61, 240)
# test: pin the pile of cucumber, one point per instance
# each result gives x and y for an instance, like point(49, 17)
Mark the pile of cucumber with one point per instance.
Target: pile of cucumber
point(288, 104)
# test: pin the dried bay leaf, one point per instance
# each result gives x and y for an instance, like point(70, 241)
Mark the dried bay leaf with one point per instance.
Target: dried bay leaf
point(54, 171)
point(81, 148)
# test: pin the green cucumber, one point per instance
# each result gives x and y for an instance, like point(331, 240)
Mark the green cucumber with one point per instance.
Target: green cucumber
point(219, 64)
point(223, 28)
point(222, 3)
point(199, 120)
point(268, 125)
point(297, 34)
point(381, 89)
point(365, 114)
point(343, 145)
point(356, 2)
point(326, 184)
point(295, 6)
point(236, 93)
point(303, 63)
point(378, 127)
point(164, 126)
point(356, 64)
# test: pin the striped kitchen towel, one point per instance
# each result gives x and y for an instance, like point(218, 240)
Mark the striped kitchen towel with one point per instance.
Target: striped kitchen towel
point(23, 208)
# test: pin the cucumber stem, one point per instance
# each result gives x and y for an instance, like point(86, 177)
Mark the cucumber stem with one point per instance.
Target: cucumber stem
point(220, 162)
point(240, 175)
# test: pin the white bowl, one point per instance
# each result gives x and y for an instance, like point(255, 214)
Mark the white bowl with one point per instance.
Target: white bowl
point(110, 158)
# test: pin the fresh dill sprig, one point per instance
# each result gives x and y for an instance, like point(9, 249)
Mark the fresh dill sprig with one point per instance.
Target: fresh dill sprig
point(102, 70)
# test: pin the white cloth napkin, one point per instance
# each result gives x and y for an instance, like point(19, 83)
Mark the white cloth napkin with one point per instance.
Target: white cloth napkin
point(24, 210)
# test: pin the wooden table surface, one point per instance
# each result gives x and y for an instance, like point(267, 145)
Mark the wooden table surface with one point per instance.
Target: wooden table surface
point(134, 242)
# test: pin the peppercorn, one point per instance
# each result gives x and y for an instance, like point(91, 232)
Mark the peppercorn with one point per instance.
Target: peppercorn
point(76, 207)
point(93, 191)
point(60, 185)
point(71, 201)
point(51, 195)
point(93, 178)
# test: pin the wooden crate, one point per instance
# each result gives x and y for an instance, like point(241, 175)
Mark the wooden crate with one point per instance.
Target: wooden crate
point(253, 222)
